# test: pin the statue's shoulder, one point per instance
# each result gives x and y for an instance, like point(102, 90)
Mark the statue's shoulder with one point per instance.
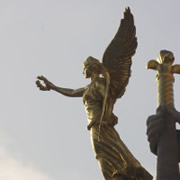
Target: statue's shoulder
point(101, 80)
point(100, 83)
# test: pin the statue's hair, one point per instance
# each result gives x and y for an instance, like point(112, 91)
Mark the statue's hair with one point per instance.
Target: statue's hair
point(99, 68)
point(95, 65)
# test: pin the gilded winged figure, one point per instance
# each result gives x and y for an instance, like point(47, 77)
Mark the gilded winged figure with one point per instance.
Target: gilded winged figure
point(108, 83)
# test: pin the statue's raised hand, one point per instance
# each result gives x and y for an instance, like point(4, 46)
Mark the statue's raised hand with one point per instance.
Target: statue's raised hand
point(47, 84)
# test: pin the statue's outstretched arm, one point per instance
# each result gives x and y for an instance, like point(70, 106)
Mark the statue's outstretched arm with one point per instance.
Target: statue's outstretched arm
point(65, 91)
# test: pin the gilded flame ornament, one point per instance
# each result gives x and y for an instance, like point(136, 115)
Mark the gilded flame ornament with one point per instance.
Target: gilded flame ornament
point(164, 77)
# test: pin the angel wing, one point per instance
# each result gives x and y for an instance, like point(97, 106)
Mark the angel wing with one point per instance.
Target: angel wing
point(117, 57)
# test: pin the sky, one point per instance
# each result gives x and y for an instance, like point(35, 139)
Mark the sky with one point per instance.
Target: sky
point(43, 135)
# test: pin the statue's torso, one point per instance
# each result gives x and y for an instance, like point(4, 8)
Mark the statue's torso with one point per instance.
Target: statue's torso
point(93, 100)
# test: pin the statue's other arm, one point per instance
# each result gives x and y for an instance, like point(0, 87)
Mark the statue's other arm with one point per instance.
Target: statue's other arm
point(65, 91)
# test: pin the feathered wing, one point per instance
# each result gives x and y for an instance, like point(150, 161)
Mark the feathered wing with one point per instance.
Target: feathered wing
point(117, 57)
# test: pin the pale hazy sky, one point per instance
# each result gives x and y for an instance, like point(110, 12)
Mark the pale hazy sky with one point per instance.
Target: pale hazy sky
point(43, 135)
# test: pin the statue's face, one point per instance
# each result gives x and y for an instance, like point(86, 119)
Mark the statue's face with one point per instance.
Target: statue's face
point(90, 67)
point(87, 70)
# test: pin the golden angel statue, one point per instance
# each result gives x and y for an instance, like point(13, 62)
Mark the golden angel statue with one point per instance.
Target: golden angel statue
point(108, 83)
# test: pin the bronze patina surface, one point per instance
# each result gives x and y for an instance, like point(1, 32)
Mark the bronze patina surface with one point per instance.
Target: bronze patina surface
point(108, 83)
